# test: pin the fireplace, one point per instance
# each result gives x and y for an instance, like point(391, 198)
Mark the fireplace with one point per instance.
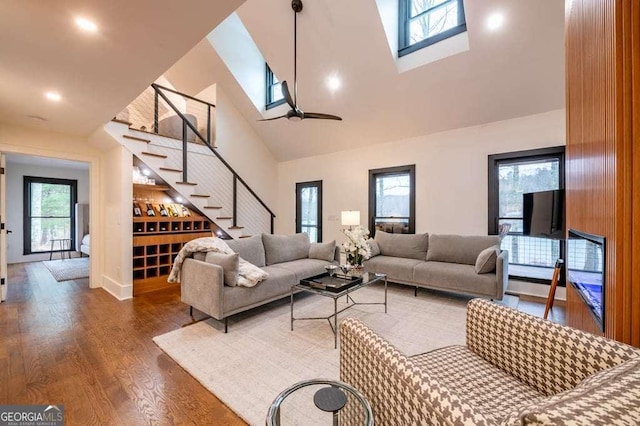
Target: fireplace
point(585, 270)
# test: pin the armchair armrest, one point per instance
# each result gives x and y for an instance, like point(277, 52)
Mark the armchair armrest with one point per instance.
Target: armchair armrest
point(398, 391)
point(549, 357)
point(202, 286)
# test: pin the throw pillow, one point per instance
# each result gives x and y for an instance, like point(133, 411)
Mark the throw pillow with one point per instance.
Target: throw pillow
point(486, 261)
point(250, 249)
point(229, 264)
point(373, 246)
point(323, 251)
point(284, 248)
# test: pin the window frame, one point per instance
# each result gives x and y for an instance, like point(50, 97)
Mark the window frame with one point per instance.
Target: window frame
point(404, 27)
point(494, 161)
point(373, 174)
point(26, 230)
point(269, 77)
point(299, 224)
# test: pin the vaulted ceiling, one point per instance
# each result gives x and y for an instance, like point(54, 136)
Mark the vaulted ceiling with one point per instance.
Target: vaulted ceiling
point(516, 71)
point(513, 72)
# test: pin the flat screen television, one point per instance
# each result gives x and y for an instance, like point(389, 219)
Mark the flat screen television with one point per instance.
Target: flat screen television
point(585, 270)
point(543, 214)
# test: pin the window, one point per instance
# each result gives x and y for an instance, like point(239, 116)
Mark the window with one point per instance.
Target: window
point(425, 22)
point(510, 176)
point(274, 90)
point(49, 212)
point(392, 200)
point(309, 209)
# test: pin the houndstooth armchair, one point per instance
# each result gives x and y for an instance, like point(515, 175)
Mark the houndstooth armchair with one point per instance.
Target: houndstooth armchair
point(516, 369)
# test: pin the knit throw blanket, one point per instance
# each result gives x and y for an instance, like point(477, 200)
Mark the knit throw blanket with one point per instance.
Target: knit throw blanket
point(248, 274)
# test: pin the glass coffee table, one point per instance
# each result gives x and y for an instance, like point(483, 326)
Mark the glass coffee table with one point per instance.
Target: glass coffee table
point(331, 287)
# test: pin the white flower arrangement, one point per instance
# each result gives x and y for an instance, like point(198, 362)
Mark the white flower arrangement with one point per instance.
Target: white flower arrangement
point(356, 246)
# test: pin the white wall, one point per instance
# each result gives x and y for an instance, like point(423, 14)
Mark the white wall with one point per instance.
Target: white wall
point(117, 244)
point(15, 173)
point(244, 150)
point(451, 174)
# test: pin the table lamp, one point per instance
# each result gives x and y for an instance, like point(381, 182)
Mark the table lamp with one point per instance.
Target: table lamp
point(351, 218)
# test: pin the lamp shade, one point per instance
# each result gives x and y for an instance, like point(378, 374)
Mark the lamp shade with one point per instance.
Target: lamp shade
point(351, 218)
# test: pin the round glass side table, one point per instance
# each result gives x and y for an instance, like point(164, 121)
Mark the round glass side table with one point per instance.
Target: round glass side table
point(330, 399)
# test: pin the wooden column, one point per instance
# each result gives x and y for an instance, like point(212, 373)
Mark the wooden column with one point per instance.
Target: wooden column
point(603, 152)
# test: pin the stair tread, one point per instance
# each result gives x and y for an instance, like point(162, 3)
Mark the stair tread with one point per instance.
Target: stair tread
point(169, 169)
point(224, 217)
point(136, 138)
point(236, 227)
point(200, 195)
point(244, 236)
point(121, 121)
point(212, 207)
point(187, 183)
point(153, 154)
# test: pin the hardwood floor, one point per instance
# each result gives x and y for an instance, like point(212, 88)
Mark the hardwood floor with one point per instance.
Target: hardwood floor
point(63, 343)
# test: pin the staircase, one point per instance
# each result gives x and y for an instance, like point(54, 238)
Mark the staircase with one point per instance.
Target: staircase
point(212, 186)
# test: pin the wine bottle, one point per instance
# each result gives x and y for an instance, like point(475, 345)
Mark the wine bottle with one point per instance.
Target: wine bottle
point(163, 211)
point(185, 211)
point(150, 211)
point(137, 212)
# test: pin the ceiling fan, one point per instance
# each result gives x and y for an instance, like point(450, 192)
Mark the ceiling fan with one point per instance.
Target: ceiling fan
point(295, 113)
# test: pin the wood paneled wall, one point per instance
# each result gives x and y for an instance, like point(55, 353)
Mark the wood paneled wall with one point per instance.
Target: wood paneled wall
point(603, 160)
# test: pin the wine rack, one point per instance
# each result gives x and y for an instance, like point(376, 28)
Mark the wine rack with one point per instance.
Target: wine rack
point(157, 241)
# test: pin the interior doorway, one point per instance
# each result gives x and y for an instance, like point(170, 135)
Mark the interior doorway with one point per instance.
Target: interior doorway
point(47, 214)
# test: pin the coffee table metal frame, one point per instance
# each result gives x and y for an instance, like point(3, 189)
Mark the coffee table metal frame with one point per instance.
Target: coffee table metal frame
point(367, 280)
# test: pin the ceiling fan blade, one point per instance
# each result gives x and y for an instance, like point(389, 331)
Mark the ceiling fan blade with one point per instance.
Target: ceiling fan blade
point(287, 95)
point(274, 118)
point(321, 116)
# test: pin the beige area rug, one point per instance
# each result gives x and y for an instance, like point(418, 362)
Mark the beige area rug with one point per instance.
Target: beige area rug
point(260, 356)
point(68, 269)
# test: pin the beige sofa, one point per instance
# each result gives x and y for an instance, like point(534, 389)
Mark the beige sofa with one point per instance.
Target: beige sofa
point(286, 258)
point(442, 262)
point(516, 369)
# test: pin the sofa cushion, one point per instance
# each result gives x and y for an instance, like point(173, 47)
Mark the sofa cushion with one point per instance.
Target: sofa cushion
point(486, 261)
point(455, 277)
point(459, 248)
point(323, 251)
point(611, 396)
point(250, 249)
point(411, 246)
point(396, 268)
point(487, 388)
point(277, 285)
point(283, 248)
point(303, 268)
point(229, 263)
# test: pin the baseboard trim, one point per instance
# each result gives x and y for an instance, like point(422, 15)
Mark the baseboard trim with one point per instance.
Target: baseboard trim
point(116, 289)
point(535, 290)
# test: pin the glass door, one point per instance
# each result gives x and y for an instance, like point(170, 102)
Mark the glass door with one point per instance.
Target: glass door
point(309, 209)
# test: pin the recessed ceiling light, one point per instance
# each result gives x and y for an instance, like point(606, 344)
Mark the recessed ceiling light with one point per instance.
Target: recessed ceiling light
point(146, 172)
point(179, 199)
point(53, 96)
point(495, 21)
point(333, 83)
point(86, 25)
